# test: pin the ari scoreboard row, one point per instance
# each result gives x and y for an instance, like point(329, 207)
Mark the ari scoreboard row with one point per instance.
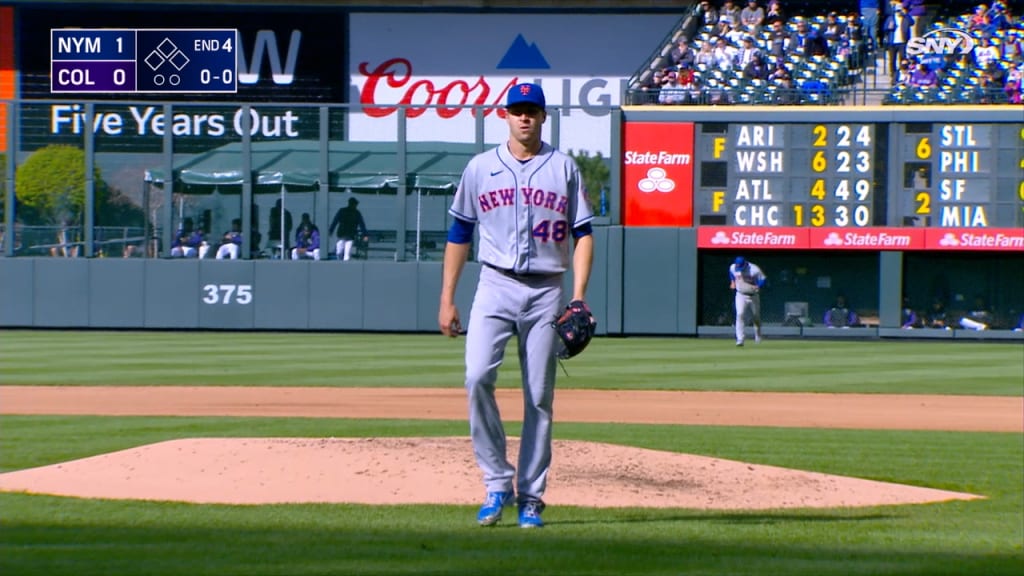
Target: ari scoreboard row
point(128, 61)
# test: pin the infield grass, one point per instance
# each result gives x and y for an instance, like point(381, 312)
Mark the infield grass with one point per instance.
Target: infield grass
point(65, 536)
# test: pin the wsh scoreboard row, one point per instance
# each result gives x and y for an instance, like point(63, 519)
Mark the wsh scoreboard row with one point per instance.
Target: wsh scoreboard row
point(127, 61)
point(858, 175)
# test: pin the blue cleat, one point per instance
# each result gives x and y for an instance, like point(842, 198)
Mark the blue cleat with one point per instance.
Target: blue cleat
point(529, 514)
point(490, 512)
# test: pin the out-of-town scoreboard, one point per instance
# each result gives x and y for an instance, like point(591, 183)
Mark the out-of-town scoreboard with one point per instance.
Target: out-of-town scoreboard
point(127, 61)
point(868, 182)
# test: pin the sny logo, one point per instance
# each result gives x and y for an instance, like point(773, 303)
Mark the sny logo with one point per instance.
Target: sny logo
point(944, 41)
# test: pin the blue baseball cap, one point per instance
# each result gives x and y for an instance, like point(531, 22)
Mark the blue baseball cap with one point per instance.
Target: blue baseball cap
point(740, 262)
point(526, 93)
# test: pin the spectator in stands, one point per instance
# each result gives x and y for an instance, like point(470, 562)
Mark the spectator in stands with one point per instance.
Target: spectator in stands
point(723, 55)
point(231, 242)
point(746, 53)
point(707, 15)
point(781, 78)
point(917, 11)
point(733, 35)
point(672, 92)
point(1013, 45)
point(898, 29)
point(977, 18)
point(999, 16)
point(923, 77)
point(840, 315)
point(985, 53)
point(778, 42)
point(869, 20)
point(831, 29)
point(682, 54)
point(307, 240)
point(756, 69)
point(729, 14)
point(1013, 83)
point(774, 13)
point(752, 17)
point(689, 82)
point(807, 41)
point(908, 316)
point(717, 93)
point(902, 78)
point(706, 55)
point(991, 85)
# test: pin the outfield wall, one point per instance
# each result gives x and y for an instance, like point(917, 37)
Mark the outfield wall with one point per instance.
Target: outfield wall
point(642, 283)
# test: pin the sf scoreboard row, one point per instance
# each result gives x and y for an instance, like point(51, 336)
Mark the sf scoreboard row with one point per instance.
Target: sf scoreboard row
point(934, 174)
point(128, 61)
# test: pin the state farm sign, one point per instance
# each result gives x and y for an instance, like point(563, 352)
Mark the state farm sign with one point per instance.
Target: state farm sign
point(947, 239)
point(657, 174)
point(867, 238)
point(989, 239)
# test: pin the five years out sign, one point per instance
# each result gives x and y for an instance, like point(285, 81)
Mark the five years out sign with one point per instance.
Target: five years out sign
point(657, 187)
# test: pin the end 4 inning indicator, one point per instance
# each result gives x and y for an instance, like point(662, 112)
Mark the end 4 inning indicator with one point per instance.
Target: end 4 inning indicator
point(143, 61)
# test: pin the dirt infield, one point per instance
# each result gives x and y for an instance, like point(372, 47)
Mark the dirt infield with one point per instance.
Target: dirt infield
point(442, 470)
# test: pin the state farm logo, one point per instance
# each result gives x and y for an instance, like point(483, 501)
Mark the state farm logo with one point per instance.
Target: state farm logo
point(967, 240)
point(944, 41)
point(737, 237)
point(866, 239)
point(662, 157)
point(657, 179)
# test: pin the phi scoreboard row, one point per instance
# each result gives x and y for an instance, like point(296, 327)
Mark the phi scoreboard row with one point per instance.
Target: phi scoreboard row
point(128, 61)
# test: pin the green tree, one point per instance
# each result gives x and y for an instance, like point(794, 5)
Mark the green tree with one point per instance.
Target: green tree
point(596, 174)
point(50, 186)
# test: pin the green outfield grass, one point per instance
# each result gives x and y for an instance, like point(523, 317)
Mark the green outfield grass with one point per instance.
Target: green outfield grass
point(67, 536)
point(360, 359)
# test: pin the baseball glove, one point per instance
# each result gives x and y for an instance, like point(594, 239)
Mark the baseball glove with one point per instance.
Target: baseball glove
point(575, 327)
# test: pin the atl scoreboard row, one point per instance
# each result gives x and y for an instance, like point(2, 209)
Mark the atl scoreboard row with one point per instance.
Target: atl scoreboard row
point(127, 61)
point(826, 181)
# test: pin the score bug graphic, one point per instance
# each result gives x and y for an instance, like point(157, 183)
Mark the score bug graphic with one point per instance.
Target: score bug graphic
point(125, 61)
point(186, 61)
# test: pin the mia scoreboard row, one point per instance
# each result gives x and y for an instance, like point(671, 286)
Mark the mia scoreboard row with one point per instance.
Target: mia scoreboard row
point(128, 61)
point(824, 181)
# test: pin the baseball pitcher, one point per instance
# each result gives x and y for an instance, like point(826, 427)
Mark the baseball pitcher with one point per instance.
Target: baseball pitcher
point(529, 203)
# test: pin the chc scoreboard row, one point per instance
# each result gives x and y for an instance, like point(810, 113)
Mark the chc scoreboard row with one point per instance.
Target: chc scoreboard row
point(128, 61)
point(726, 177)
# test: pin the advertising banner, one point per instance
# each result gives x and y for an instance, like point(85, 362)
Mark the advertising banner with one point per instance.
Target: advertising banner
point(657, 187)
point(432, 61)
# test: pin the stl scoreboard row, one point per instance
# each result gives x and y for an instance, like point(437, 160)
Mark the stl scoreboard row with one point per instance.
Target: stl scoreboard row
point(127, 61)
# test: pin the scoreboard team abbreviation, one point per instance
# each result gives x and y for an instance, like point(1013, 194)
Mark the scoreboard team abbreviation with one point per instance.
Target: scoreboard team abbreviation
point(130, 61)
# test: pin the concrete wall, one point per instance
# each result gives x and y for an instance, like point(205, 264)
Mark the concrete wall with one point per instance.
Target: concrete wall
point(645, 281)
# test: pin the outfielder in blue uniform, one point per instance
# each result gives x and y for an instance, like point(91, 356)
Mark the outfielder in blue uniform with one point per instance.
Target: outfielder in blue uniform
point(529, 203)
point(747, 279)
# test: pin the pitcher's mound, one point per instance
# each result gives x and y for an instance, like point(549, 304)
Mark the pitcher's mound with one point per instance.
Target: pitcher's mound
point(443, 471)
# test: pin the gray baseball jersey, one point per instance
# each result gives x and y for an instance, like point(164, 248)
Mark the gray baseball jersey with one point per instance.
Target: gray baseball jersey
point(748, 299)
point(525, 211)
